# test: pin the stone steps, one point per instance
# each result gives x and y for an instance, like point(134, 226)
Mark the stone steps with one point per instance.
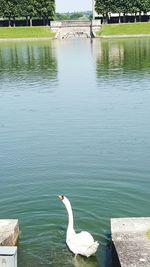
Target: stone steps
point(74, 29)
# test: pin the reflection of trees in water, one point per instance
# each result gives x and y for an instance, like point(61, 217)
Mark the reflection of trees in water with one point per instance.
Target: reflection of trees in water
point(32, 59)
point(118, 56)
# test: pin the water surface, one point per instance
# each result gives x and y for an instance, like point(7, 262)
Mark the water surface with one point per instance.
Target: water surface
point(74, 120)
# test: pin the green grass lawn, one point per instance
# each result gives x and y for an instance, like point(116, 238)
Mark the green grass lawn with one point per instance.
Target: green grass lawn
point(25, 32)
point(123, 29)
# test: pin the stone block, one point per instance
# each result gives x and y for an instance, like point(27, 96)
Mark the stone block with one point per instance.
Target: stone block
point(9, 232)
point(131, 239)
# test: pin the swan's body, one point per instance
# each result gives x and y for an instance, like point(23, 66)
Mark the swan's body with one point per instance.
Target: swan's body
point(79, 243)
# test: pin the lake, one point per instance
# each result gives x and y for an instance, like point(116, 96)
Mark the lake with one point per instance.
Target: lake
point(74, 120)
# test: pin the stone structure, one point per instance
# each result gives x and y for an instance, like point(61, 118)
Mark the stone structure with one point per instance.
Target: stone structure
point(96, 25)
point(93, 9)
point(75, 28)
point(9, 232)
point(131, 239)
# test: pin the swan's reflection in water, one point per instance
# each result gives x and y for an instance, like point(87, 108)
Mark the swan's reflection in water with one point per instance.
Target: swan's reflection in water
point(80, 261)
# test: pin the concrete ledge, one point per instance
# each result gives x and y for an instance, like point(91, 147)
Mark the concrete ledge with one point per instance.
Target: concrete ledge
point(26, 39)
point(131, 238)
point(9, 232)
point(122, 36)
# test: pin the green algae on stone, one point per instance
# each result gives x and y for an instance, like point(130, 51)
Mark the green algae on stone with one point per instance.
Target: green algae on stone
point(148, 233)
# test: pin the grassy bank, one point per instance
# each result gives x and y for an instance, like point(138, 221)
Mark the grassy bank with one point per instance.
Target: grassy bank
point(125, 29)
point(25, 32)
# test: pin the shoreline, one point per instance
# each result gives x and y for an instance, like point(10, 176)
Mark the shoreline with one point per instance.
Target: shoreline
point(26, 39)
point(122, 36)
point(95, 37)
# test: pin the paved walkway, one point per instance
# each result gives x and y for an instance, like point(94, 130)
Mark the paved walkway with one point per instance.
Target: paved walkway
point(131, 238)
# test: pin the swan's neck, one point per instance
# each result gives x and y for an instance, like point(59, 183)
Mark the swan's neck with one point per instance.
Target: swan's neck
point(70, 229)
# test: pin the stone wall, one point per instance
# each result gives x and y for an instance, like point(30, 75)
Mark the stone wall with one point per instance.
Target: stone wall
point(75, 28)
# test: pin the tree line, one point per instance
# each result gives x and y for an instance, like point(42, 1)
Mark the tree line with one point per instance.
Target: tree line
point(136, 7)
point(85, 15)
point(28, 9)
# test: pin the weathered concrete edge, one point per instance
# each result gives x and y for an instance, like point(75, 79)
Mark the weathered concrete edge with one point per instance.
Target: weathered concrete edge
point(95, 36)
point(11, 235)
point(130, 244)
point(122, 36)
point(25, 39)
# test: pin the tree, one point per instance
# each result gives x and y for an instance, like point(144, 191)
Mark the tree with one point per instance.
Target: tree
point(15, 10)
point(31, 10)
point(121, 6)
point(2, 7)
point(8, 11)
point(24, 9)
point(104, 7)
point(142, 6)
point(45, 9)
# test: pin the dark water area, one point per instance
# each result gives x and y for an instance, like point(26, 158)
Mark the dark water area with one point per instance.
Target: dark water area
point(74, 120)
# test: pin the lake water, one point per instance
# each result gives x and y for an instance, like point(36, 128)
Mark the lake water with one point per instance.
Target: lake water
point(74, 120)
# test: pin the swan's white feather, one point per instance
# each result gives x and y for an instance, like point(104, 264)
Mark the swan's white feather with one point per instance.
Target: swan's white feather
point(82, 243)
point(79, 243)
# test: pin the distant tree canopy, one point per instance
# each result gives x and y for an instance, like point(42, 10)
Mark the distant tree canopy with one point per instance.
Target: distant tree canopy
point(105, 7)
point(74, 15)
point(12, 9)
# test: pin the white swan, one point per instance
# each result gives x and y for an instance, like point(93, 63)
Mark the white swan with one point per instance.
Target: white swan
point(79, 243)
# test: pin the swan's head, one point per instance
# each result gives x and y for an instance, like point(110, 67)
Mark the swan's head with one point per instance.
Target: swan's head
point(64, 199)
point(61, 197)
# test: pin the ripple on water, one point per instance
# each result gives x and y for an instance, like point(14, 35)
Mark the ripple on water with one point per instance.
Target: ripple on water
point(86, 136)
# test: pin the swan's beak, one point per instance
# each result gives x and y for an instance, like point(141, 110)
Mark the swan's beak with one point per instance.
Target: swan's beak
point(61, 197)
